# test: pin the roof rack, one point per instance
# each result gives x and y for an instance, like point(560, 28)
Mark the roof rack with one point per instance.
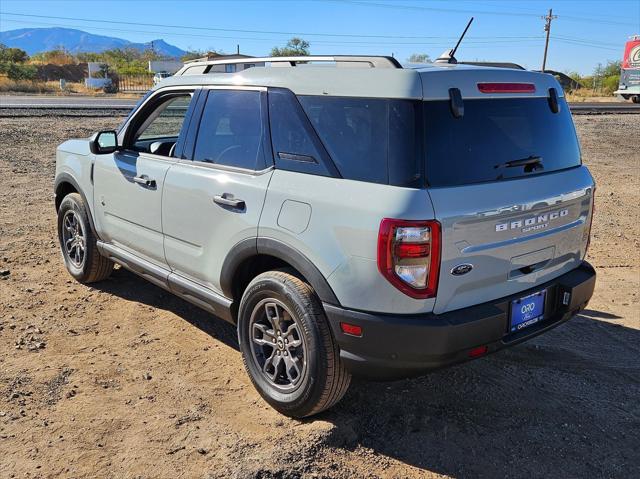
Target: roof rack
point(372, 61)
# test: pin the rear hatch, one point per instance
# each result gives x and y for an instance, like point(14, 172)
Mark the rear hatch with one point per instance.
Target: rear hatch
point(507, 184)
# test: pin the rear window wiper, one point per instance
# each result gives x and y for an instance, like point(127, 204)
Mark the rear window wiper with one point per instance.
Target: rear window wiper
point(533, 161)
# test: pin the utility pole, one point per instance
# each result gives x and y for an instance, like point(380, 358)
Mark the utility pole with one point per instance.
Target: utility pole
point(547, 28)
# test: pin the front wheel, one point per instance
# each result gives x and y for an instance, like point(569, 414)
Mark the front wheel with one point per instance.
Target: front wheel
point(287, 346)
point(78, 242)
point(635, 99)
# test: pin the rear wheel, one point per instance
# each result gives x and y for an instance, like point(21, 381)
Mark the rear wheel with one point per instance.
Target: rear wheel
point(287, 346)
point(78, 243)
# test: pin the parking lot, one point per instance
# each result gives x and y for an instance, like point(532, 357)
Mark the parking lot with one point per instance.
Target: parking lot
point(123, 379)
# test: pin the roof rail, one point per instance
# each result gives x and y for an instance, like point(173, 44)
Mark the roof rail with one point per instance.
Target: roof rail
point(372, 61)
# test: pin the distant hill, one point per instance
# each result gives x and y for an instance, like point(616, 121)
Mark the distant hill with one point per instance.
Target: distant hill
point(36, 40)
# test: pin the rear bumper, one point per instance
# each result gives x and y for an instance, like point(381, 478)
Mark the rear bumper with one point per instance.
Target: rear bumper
point(393, 347)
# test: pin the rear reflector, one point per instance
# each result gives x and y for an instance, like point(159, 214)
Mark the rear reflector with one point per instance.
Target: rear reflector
point(351, 329)
point(479, 351)
point(506, 87)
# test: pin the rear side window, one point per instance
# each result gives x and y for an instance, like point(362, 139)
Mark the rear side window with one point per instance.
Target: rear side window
point(231, 131)
point(296, 146)
point(493, 132)
point(369, 139)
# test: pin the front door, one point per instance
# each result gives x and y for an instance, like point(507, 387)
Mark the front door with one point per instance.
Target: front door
point(214, 199)
point(129, 183)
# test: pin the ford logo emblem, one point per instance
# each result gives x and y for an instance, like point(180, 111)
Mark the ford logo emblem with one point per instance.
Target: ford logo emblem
point(461, 269)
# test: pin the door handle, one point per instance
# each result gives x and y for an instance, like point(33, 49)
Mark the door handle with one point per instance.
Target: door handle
point(144, 180)
point(227, 199)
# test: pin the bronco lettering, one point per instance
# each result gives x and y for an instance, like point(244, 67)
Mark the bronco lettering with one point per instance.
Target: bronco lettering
point(533, 223)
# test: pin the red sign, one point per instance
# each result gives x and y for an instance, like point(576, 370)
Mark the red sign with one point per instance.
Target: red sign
point(631, 59)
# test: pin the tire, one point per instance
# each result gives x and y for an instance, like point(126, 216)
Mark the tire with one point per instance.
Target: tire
point(313, 377)
point(635, 98)
point(75, 233)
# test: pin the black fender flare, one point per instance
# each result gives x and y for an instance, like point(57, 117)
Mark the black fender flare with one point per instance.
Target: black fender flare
point(67, 178)
point(249, 247)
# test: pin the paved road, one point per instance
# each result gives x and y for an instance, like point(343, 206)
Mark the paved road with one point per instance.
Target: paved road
point(80, 102)
point(101, 103)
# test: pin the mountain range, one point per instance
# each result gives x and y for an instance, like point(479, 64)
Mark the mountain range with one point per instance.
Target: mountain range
point(36, 40)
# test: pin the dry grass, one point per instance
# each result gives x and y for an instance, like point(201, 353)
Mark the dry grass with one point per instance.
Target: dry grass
point(53, 88)
point(588, 94)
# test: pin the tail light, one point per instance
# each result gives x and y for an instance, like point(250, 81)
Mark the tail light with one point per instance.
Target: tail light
point(409, 256)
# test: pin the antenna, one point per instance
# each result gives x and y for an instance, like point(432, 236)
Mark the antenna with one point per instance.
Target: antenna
point(448, 55)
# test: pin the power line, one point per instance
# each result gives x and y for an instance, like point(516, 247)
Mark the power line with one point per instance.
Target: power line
point(443, 42)
point(478, 12)
point(582, 44)
point(184, 27)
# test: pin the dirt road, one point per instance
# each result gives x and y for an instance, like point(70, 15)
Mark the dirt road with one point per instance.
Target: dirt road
point(124, 380)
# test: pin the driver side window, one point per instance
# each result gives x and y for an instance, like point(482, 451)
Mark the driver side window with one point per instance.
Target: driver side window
point(158, 132)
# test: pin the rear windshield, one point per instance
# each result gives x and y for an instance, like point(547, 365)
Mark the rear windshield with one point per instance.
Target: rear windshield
point(479, 146)
point(369, 139)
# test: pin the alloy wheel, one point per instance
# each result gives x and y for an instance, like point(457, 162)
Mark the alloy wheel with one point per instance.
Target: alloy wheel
point(277, 345)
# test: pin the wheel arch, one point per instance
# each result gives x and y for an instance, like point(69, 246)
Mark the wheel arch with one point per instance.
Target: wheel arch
point(254, 256)
point(66, 184)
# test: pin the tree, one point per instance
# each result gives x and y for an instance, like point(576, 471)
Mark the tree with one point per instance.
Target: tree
point(612, 68)
point(419, 58)
point(574, 75)
point(610, 84)
point(12, 55)
point(295, 47)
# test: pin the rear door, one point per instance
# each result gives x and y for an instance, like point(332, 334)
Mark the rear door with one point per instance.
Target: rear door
point(507, 185)
point(213, 199)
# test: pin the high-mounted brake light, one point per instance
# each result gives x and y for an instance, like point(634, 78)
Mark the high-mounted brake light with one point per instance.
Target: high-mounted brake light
point(506, 87)
point(409, 255)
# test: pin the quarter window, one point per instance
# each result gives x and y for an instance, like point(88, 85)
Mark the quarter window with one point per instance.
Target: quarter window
point(231, 131)
point(295, 145)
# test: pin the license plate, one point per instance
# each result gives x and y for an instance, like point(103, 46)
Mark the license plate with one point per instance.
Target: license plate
point(527, 311)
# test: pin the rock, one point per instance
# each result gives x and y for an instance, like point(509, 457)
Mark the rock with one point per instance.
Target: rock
point(147, 376)
point(203, 451)
point(4, 272)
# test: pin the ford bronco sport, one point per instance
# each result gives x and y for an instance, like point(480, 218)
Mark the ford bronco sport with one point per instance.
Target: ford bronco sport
point(357, 218)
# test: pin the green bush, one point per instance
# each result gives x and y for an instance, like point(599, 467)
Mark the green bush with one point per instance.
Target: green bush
point(610, 84)
point(17, 72)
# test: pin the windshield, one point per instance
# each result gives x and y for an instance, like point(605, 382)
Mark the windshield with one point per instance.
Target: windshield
point(486, 143)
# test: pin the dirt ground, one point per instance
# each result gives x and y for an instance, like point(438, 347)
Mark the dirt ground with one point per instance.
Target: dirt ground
point(124, 380)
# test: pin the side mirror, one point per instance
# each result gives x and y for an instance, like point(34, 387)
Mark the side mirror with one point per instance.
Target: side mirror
point(104, 142)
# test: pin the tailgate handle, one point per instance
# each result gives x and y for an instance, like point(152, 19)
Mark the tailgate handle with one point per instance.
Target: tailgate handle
point(533, 267)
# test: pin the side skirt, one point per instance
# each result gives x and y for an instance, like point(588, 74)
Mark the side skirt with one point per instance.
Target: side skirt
point(186, 289)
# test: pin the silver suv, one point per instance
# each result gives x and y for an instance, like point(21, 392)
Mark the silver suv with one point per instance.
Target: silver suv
point(351, 218)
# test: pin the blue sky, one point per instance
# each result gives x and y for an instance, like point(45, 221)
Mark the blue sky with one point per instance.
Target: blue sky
point(584, 34)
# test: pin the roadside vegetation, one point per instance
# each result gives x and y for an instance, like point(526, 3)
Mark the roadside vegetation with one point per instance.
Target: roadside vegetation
point(601, 83)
